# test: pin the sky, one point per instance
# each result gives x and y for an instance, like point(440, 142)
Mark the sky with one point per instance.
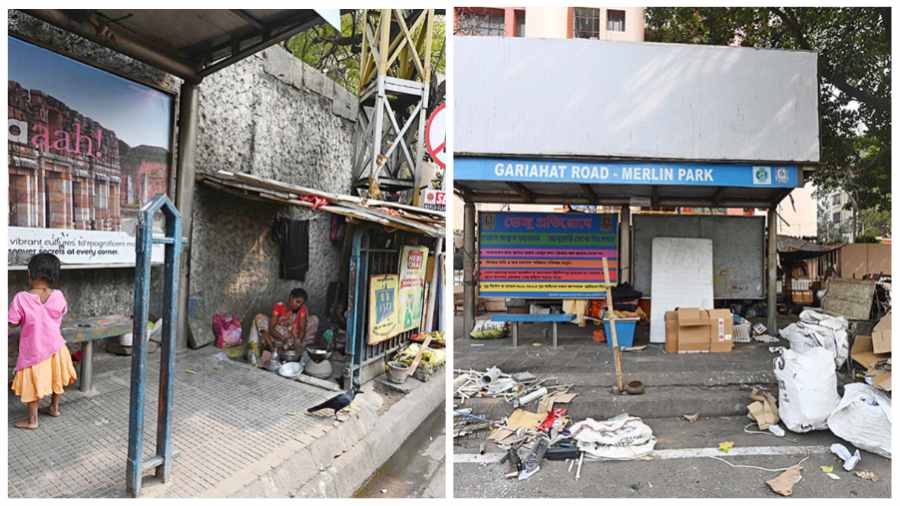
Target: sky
point(137, 114)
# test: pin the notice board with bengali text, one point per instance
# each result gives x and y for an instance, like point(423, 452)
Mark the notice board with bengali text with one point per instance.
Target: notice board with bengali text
point(546, 255)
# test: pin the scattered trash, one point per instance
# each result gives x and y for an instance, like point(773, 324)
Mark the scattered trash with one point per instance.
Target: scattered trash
point(531, 396)
point(784, 483)
point(533, 461)
point(777, 430)
point(384, 491)
point(843, 453)
point(866, 475)
point(759, 329)
point(635, 348)
point(764, 411)
point(634, 388)
point(691, 418)
point(819, 330)
point(807, 388)
point(726, 446)
point(622, 437)
point(766, 339)
point(580, 462)
point(487, 329)
point(826, 469)
point(863, 418)
point(190, 371)
point(833, 476)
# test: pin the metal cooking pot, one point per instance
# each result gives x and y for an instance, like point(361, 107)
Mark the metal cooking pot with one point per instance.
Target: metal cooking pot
point(289, 356)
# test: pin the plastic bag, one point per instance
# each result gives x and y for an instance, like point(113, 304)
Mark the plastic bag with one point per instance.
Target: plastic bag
point(226, 329)
point(487, 329)
point(863, 418)
point(621, 437)
point(807, 389)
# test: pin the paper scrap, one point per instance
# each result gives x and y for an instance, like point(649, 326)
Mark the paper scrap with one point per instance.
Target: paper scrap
point(726, 446)
point(866, 475)
point(826, 469)
point(783, 484)
point(764, 411)
point(691, 418)
point(527, 419)
point(833, 476)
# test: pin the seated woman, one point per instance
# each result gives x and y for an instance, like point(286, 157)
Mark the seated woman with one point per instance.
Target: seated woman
point(285, 330)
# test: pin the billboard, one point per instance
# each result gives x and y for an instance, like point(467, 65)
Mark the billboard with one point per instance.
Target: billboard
point(87, 149)
point(413, 263)
point(383, 307)
point(546, 255)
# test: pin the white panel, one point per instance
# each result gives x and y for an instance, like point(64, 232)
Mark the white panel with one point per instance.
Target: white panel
point(543, 97)
point(682, 277)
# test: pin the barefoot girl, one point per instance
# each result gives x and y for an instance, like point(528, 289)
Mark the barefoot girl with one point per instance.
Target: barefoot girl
point(44, 366)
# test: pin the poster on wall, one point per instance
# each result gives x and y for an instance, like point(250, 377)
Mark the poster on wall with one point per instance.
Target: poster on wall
point(546, 255)
point(383, 311)
point(413, 264)
point(87, 149)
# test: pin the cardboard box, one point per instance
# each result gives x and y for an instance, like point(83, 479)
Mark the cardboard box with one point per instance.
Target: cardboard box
point(862, 354)
point(693, 330)
point(802, 297)
point(671, 332)
point(881, 335)
point(721, 330)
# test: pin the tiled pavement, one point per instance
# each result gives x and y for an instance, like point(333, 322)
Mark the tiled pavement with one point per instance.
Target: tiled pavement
point(227, 416)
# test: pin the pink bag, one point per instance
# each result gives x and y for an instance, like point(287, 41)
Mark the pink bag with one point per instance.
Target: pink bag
point(227, 329)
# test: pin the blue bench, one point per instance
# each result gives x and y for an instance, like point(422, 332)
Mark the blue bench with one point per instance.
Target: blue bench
point(516, 319)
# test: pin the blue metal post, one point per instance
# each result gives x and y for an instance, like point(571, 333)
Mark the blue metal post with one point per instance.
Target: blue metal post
point(358, 304)
point(162, 461)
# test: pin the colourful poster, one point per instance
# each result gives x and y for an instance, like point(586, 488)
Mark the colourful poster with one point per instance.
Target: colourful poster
point(87, 149)
point(547, 255)
point(413, 263)
point(383, 323)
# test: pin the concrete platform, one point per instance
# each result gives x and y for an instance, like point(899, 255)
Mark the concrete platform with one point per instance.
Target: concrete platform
point(713, 384)
point(239, 431)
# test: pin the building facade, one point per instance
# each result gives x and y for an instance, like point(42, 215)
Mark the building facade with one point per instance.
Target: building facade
point(834, 217)
point(622, 24)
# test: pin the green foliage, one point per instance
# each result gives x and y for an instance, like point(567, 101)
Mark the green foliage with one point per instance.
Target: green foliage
point(854, 62)
point(876, 222)
point(337, 54)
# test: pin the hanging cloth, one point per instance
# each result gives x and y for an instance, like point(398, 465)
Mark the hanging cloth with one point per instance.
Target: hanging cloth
point(293, 238)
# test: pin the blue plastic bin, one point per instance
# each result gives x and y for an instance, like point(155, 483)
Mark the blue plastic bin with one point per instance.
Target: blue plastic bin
point(624, 332)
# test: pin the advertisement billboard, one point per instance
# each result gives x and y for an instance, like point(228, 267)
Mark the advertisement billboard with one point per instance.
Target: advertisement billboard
point(87, 149)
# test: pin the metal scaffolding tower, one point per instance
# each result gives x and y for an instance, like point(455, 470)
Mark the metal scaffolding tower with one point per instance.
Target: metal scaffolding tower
point(394, 83)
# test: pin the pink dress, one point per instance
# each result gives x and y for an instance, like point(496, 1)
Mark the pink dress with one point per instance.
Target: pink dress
point(40, 323)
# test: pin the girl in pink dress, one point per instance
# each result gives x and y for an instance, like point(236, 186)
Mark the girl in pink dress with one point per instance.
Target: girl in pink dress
point(44, 366)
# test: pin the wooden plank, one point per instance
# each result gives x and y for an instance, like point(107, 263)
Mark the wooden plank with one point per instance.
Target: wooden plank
point(849, 298)
point(620, 382)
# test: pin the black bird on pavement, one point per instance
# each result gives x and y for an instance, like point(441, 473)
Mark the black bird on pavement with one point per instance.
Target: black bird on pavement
point(337, 403)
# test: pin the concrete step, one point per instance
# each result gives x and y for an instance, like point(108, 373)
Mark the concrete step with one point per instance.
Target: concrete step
point(599, 402)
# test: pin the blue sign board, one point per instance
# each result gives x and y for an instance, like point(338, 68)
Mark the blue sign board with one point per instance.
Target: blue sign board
point(626, 173)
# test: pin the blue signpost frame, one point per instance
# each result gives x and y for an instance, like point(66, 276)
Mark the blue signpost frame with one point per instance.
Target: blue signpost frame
point(161, 462)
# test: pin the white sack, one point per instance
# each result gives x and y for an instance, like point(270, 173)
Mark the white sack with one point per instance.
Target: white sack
point(863, 418)
point(622, 437)
point(807, 389)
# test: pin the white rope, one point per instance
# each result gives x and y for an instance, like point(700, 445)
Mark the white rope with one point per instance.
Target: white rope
point(757, 467)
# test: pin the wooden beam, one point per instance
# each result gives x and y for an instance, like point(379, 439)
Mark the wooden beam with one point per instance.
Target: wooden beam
point(591, 194)
point(522, 190)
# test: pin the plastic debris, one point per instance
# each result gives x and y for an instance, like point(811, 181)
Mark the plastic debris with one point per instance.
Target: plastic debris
point(726, 446)
point(826, 469)
point(783, 484)
point(816, 329)
point(777, 430)
point(843, 453)
point(863, 418)
point(622, 437)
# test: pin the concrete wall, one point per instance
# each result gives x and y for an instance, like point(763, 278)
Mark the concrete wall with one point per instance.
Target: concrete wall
point(92, 292)
point(275, 117)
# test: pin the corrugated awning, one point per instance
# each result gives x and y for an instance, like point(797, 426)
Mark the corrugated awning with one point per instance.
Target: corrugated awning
point(391, 215)
point(793, 249)
point(189, 43)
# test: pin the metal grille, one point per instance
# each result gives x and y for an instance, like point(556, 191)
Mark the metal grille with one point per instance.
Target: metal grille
point(373, 253)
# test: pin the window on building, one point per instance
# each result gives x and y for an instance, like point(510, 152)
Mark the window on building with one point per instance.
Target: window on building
point(481, 24)
point(102, 196)
point(615, 21)
point(586, 23)
point(836, 217)
point(520, 23)
point(836, 199)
